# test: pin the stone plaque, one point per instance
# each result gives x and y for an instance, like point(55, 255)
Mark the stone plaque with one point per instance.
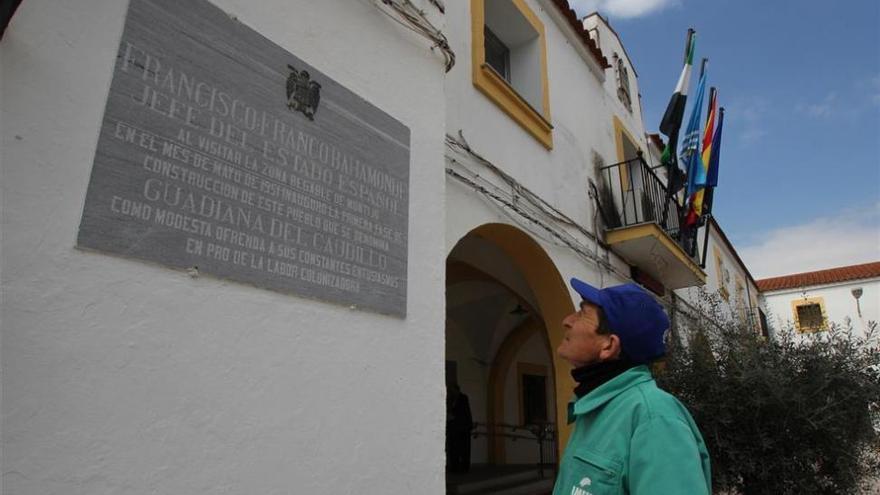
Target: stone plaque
point(222, 152)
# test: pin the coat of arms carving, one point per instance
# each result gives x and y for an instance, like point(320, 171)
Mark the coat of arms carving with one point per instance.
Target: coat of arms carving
point(303, 94)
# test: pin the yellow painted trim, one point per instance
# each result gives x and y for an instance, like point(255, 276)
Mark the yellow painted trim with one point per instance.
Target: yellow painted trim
point(805, 301)
point(499, 91)
point(619, 131)
point(478, 42)
point(653, 230)
point(526, 369)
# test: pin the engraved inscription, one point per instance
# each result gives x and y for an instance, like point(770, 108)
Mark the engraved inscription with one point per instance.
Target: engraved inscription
point(201, 163)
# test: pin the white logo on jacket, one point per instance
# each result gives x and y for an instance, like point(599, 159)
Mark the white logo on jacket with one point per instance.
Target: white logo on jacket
point(579, 490)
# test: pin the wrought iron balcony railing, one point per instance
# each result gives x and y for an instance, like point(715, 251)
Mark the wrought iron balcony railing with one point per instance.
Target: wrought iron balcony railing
point(630, 193)
point(543, 434)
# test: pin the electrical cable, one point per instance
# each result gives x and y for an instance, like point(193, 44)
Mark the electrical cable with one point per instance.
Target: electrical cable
point(414, 19)
point(534, 206)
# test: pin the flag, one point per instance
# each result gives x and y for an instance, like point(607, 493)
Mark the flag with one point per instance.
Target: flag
point(699, 178)
point(690, 146)
point(671, 123)
point(712, 177)
point(675, 110)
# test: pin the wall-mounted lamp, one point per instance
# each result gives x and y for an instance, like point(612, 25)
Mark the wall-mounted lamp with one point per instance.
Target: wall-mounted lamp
point(857, 293)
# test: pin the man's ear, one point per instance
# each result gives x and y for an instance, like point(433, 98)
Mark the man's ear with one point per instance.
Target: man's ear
point(611, 349)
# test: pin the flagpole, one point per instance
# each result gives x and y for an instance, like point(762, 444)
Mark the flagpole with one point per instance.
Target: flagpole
point(707, 217)
point(692, 241)
point(710, 193)
point(708, 199)
point(687, 43)
point(672, 170)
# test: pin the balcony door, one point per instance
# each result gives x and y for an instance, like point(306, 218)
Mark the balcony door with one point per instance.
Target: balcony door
point(633, 185)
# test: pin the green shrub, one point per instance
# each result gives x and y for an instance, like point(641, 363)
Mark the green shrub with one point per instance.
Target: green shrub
point(792, 415)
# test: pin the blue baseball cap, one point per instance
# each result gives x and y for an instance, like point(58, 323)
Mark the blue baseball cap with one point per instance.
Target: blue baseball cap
point(633, 315)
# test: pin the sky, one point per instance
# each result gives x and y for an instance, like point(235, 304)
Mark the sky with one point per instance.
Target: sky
point(799, 179)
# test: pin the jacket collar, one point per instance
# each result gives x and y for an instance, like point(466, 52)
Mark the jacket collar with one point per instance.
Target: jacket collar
point(609, 390)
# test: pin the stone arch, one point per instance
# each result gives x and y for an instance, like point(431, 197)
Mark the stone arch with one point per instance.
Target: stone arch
point(552, 302)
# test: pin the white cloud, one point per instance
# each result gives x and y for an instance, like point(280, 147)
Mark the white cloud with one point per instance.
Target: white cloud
point(849, 238)
point(822, 109)
point(873, 89)
point(747, 116)
point(622, 9)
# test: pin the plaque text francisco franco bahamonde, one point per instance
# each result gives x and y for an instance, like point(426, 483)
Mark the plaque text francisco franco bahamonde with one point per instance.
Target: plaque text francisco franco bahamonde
point(202, 163)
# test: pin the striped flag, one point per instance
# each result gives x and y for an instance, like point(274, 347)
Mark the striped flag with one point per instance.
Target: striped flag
point(701, 171)
point(690, 146)
point(712, 178)
point(671, 123)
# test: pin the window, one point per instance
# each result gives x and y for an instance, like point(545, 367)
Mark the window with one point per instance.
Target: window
point(497, 54)
point(740, 297)
point(723, 275)
point(534, 397)
point(809, 314)
point(510, 63)
point(532, 393)
point(594, 34)
point(630, 175)
point(765, 330)
point(623, 82)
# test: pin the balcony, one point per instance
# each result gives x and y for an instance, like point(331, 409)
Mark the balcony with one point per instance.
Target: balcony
point(642, 225)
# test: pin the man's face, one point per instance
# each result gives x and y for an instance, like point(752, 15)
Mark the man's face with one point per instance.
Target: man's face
point(581, 344)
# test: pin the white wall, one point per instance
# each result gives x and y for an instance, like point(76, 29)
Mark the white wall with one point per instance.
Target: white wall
point(578, 112)
point(750, 300)
point(126, 377)
point(610, 43)
point(838, 299)
point(582, 118)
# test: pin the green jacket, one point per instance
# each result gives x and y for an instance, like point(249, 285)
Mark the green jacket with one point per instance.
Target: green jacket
point(632, 438)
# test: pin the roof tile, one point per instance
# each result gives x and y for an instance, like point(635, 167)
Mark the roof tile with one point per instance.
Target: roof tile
point(821, 277)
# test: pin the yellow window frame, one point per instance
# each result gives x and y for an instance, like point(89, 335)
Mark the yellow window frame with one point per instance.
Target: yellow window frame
point(807, 301)
point(535, 121)
point(529, 369)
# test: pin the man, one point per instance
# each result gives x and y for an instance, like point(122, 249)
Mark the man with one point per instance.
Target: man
point(459, 424)
point(629, 437)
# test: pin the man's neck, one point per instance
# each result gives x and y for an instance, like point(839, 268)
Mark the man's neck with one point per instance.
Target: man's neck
point(591, 376)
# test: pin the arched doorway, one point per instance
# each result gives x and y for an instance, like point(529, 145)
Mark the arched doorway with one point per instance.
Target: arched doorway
point(505, 300)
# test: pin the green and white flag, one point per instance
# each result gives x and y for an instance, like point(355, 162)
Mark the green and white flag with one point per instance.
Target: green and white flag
point(671, 123)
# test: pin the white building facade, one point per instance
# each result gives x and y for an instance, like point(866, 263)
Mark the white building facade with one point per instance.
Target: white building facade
point(121, 376)
point(528, 163)
point(729, 280)
point(811, 301)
